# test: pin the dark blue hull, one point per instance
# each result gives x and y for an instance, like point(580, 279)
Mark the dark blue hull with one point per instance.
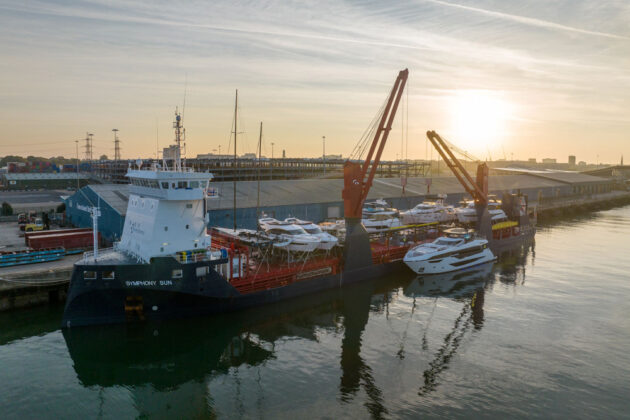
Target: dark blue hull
point(141, 292)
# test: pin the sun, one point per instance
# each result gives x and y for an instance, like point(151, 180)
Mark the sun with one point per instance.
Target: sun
point(479, 119)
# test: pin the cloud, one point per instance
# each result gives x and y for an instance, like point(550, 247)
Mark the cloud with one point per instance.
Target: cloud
point(528, 21)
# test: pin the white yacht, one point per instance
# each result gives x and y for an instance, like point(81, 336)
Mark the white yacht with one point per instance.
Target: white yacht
point(378, 207)
point(290, 237)
point(248, 236)
point(428, 212)
point(468, 214)
point(457, 250)
point(327, 241)
point(375, 223)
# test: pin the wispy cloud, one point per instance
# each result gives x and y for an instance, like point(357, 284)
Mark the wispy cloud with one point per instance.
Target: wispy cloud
point(528, 20)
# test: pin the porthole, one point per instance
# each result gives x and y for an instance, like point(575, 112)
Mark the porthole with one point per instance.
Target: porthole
point(165, 228)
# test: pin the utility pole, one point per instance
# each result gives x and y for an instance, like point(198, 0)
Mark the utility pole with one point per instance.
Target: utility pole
point(116, 145)
point(324, 153)
point(88, 146)
point(271, 162)
point(77, 145)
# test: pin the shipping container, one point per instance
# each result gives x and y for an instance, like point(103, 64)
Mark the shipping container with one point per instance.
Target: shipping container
point(70, 241)
point(29, 235)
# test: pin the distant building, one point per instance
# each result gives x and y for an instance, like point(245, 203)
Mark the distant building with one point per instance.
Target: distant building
point(571, 160)
point(548, 160)
point(249, 156)
point(581, 163)
point(284, 154)
point(32, 181)
point(531, 160)
point(215, 156)
point(333, 157)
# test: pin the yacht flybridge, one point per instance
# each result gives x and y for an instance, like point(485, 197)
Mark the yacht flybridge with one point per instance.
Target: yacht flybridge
point(457, 250)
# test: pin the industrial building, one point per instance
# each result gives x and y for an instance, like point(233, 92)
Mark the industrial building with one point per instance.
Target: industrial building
point(35, 181)
point(319, 199)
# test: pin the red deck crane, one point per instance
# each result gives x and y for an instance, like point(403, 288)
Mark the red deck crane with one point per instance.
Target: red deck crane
point(358, 177)
point(357, 181)
point(478, 189)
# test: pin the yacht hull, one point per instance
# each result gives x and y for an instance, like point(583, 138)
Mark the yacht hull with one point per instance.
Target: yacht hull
point(449, 263)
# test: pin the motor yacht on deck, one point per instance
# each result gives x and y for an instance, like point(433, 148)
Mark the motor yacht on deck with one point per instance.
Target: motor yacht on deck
point(292, 237)
point(327, 241)
point(467, 213)
point(457, 250)
point(428, 212)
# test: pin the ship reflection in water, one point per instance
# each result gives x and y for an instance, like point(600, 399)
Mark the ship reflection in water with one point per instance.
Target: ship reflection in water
point(177, 367)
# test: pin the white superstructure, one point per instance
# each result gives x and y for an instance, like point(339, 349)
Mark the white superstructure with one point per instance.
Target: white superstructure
point(166, 213)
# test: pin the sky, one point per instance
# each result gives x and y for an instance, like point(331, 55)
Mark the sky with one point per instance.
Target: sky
point(498, 78)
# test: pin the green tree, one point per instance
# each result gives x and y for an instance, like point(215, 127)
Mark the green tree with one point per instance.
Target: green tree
point(7, 210)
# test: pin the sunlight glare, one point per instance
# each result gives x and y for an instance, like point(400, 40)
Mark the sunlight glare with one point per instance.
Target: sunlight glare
point(479, 119)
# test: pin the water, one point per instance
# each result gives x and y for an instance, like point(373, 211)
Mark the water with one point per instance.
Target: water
point(543, 333)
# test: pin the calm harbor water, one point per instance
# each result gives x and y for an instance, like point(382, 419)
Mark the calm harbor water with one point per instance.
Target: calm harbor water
point(545, 333)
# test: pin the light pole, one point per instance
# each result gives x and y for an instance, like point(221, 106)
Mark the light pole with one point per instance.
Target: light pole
point(324, 153)
point(271, 162)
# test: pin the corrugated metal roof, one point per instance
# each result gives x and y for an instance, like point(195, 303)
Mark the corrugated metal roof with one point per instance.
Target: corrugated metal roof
point(305, 191)
point(115, 195)
point(43, 176)
point(572, 178)
point(292, 192)
point(565, 177)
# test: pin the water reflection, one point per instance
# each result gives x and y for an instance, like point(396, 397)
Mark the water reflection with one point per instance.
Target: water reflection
point(168, 367)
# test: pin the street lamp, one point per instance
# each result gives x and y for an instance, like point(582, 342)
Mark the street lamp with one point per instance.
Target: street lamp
point(271, 162)
point(324, 153)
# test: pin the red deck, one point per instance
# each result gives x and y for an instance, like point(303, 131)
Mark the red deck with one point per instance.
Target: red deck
point(257, 276)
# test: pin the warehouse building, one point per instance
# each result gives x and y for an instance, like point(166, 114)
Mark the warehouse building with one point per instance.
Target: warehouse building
point(319, 199)
point(36, 181)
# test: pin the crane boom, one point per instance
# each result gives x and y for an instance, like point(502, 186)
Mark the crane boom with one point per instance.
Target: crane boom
point(358, 178)
point(477, 189)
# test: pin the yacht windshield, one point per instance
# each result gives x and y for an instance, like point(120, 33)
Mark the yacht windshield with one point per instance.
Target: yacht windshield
point(313, 230)
point(445, 242)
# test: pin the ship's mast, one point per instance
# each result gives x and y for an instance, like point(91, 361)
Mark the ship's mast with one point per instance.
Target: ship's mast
point(258, 190)
point(234, 176)
point(177, 125)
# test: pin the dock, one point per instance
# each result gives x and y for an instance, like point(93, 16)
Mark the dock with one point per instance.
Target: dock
point(36, 284)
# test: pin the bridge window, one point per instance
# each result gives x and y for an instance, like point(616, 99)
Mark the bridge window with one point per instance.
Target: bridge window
point(178, 274)
point(165, 185)
point(194, 184)
point(181, 184)
point(108, 275)
point(89, 275)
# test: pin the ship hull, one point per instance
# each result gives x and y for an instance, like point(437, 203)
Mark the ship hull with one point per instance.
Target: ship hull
point(140, 293)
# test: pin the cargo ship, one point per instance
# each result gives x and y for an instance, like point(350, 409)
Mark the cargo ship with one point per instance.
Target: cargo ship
point(167, 264)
